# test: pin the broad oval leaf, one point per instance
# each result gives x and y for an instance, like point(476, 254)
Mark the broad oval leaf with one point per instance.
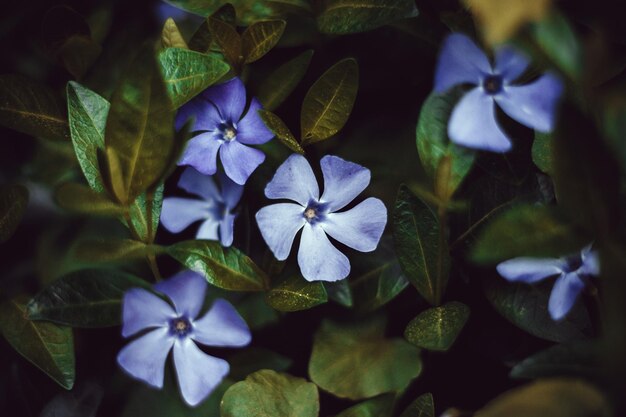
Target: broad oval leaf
point(270, 393)
point(351, 16)
point(229, 41)
point(340, 350)
point(328, 103)
point(340, 292)
point(437, 328)
point(171, 36)
point(85, 298)
point(282, 132)
point(226, 268)
point(381, 284)
point(46, 345)
point(82, 199)
point(542, 152)
point(283, 80)
point(13, 201)
point(259, 38)
point(423, 406)
point(376, 407)
point(295, 294)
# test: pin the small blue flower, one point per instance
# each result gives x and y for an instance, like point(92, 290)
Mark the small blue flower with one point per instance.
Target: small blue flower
point(473, 121)
point(359, 228)
point(572, 271)
point(215, 208)
point(175, 326)
point(219, 126)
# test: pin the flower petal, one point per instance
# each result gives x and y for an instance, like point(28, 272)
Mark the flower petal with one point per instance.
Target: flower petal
point(186, 290)
point(221, 326)
point(227, 226)
point(591, 261)
point(251, 130)
point(473, 124)
point(199, 184)
point(144, 358)
point(564, 295)
point(360, 227)
point(201, 153)
point(533, 105)
point(142, 309)
point(178, 213)
point(279, 224)
point(529, 270)
point(319, 260)
point(208, 230)
point(204, 112)
point(510, 63)
point(198, 373)
point(231, 191)
point(229, 98)
point(343, 181)
point(240, 161)
point(293, 180)
point(460, 61)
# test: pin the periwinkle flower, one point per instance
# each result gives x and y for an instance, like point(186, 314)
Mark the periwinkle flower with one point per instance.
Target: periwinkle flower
point(572, 272)
point(359, 227)
point(176, 326)
point(473, 120)
point(215, 208)
point(219, 126)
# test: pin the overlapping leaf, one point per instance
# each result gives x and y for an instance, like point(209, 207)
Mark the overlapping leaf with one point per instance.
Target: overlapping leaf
point(350, 16)
point(296, 294)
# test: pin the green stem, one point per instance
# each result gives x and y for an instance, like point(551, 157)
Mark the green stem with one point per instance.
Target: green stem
point(154, 267)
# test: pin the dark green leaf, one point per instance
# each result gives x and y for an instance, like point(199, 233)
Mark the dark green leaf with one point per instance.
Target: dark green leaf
point(282, 81)
point(378, 286)
point(82, 199)
point(114, 250)
point(47, 346)
point(282, 132)
point(376, 407)
point(256, 312)
point(254, 359)
point(226, 268)
point(340, 292)
point(187, 73)
point(228, 40)
point(328, 103)
point(259, 38)
point(248, 11)
point(145, 213)
point(437, 328)
point(416, 236)
point(201, 39)
point(268, 393)
point(296, 294)
point(423, 406)
point(32, 108)
point(351, 16)
point(341, 350)
point(13, 201)
point(542, 152)
point(171, 36)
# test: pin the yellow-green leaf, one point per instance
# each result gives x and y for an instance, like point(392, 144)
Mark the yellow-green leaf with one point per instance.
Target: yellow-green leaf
point(82, 199)
point(437, 328)
point(259, 38)
point(228, 40)
point(351, 16)
point(282, 132)
point(295, 294)
point(171, 36)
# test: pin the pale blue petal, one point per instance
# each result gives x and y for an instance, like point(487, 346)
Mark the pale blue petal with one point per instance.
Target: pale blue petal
point(294, 180)
point(198, 373)
point(460, 62)
point(473, 124)
point(564, 294)
point(279, 224)
point(144, 358)
point(178, 213)
point(240, 161)
point(251, 130)
point(343, 181)
point(205, 115)
point(201, 153)
point(510, 64)
point(141, 309)
point(591, 262)
point(208, 230)
point(530, 270)
point(360, 227)
point(231, 191)
point(199, 184)
point(229, 98)
point(227, 226)
point(533, 105)
point(186, 290)
point(221, 326)
point(319, 260)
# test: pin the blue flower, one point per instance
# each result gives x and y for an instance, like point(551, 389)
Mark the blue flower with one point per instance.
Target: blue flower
point(215, 208)
point(572, 271)
point(473, 121)
point(219, 126)
point(166, 326)
point(359, 228)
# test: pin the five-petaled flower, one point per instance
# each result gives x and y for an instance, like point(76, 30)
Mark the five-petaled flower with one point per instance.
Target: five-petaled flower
point(219, 126)
point(572, 271)
point(215, 208)
point(473, 120)
point(359, 228)
point(177, 326)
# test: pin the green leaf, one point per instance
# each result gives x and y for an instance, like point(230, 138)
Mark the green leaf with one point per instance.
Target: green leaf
point(226, 268)
point(282, 132)
point(378, 286)
point(269, 393)
point(376, 407)
point(248, 10)
point(114, 250)
point(416, 235)
point(171, 36)
point(47, 346)
point(526, 230)
point(87, 113)
point(437, 328)
point(340, 292)
point(423, 406)
point(549, 398)
point(13, 201)
point(542, 152)
point(187, 73)
point(283, 80)
point(140, 127)
point(328, 103)
point(145, 213)
point(352, 16)
point(433, 144)
point(256, 312)
point(31, 108)
point(228, 40)
point(85, 298)
point(295, 294)
point(82, 199)
point(254, 359)
point(341, 350)
point(259, 38)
